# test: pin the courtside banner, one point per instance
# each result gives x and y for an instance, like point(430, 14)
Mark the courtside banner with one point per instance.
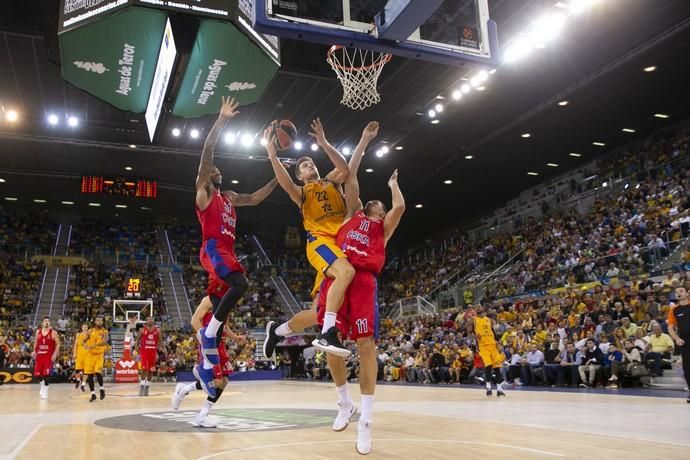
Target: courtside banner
point(126, 371)
point(15, 375)
point(224, 62)
point(115, 58)
point(75, 13)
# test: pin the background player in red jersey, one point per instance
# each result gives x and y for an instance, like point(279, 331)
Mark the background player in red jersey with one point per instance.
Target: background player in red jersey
point(215, 210)
point(46, 349)
point(363, 238)
point(149, 342)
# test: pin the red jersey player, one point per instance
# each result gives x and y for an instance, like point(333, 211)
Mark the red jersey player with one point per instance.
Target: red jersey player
point(46, 349)
point(363, 237)
point(149, 341)
point(215, 210)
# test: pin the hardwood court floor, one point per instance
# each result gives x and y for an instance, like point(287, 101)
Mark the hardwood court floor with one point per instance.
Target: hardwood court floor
point(291, 420)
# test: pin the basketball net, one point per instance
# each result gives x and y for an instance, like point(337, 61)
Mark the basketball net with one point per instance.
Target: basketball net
point(358, 71)
point(131, 327)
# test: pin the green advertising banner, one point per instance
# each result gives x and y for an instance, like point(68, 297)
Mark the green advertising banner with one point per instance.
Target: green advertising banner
point(224, 62)
point(115, 58)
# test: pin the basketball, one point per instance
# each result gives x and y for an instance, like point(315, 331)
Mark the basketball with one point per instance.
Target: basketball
point(284, 132)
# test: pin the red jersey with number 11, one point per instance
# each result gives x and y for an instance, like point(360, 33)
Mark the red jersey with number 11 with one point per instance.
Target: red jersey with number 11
point(363, 241)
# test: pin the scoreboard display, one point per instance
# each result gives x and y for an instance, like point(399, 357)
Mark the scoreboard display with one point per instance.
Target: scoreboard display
point(119, 186)
point(133, 287)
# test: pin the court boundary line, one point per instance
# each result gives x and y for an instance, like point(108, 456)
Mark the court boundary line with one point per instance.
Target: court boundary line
point(17, 450)
point(349, 441)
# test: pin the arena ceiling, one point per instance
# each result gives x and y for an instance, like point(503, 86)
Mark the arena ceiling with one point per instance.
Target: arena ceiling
point(596, 65)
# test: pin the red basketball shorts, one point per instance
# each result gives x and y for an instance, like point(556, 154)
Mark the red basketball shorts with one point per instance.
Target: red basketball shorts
point(359, 314)
point(43, 366)
point(148, 359)
point(216, 286)
point(218, 259)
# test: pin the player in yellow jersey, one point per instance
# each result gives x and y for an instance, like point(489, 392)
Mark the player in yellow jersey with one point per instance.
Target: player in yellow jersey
point(488, 350)
point(322, 205)
point(95, 344)
point(78, 356)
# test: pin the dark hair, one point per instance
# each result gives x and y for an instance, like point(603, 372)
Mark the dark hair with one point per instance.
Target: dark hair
point(373, 202)
point(301, 160)
point(46, 318)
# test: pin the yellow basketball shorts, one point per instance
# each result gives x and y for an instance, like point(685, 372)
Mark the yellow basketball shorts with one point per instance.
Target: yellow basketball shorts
point(93, 364)
point(322, 252)
point(490, 355)
point(79, 362)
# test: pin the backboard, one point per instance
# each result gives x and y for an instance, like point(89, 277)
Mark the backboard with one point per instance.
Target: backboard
point(452, 32)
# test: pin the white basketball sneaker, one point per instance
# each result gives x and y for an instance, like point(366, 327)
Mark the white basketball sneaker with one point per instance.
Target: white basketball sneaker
point(178, 396)
point(345, 413)
point(364, 437)
point(204, 421)
point(44, 392)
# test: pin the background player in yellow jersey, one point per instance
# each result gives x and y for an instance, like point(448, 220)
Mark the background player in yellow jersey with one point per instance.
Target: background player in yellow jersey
point(488, 350)
point(95, 344)
point(78, 355)
point(322, 205)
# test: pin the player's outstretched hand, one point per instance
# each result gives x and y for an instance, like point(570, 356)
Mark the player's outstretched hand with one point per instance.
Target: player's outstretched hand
point(317, 132)
point(270, 143)
point(371, 130)
point(228, 108)
point(394, 179)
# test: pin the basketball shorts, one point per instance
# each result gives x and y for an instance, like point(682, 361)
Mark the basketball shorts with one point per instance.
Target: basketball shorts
point(148, 359)
point(322, 252)
point(93, 363)
point(359, 314)
point(218, 259)
point(43, 366)
point(79, 362)
point(490, 355)
point(216, 286)
point(318, 281)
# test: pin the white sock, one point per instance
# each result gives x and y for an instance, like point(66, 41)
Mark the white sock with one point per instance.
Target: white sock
point(283, 329)
point(488, 385)
point(146, 383)
point(207, 364)
point(206, 408)
point(344, 394)
point(328, 321)
point(212, 328)
point(100, 387)
point(367, 407)
point(499, 386)
point(189, 388)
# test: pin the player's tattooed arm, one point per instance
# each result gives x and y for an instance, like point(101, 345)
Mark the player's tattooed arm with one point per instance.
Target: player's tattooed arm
point(252, 199)
point(228, 111)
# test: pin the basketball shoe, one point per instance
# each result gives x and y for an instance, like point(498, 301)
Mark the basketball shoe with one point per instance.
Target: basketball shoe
point(330, 343)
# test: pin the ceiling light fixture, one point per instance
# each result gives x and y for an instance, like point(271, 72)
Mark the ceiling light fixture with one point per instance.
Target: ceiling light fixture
point(399, 147)
point(298, 145)
point(234, 181)
point(439, 108)
point(230, 138)
point(457, 95)
point(628, 130)
point(94, 205)
point(468, 157)
point(12, 116)
point(128, 168)
point(346, 151)
point(598, 144)
point(431, 113)
point(263, 141)
point(121, 206)
point(314, 147)
point(435, 122)
point(447, 181)
point(418, 205)
point(650, 68)
point(2, 181)
point(525, 135)
point(573, 154)
point(465, 88)
point(39, 200)
point(53, 119)
point(563, 103)
point(247, 140)
point(369, 170)
point(176, 132)
point(661, 115)
point(132, 146)
point(11, 198)
point(72, 121)
point(194, 133)
point(518, 49)
point(69, 203)
point(532, 173)
point(553, 165)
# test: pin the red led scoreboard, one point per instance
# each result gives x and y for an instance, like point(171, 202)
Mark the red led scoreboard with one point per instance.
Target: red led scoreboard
point(120, 186)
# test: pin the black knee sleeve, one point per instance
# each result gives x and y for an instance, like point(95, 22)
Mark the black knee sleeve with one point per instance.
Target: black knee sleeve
point(89, 380)
point(238, 286)
point(99, 378)
point(497, 375)
point(219, 391)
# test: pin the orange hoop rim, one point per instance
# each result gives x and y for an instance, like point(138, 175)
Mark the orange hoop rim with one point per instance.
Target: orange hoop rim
point(380, 61)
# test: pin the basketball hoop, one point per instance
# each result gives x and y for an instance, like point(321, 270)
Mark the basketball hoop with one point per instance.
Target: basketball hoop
point(358, 70)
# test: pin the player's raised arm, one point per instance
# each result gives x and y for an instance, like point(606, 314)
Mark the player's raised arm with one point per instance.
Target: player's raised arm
point(282, 176)
point(341, 171)
point(252, 199)
point(392, 219)
point(352, 200)
point(204, 182)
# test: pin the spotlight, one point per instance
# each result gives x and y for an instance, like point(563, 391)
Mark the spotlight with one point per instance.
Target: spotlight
point(314, 147)
point(72, 121)
point(230, 138)
point(12, 116)
point(346, 151)
point(439, 108)
point(235, 181)
point(480, 78)
point(379, 153)
point(431, 113)
point(263, 141)
point(435, 122)
point(53, 119)
point(517, 50)
point(247, 140)
point(399, 147)
point(128, 168)
point(457, 95)
point(465, 88)
point(298, 145)
point(580, 6)
point(194, 133)
point(385, 149)
point(176, 132)
point(546, 28)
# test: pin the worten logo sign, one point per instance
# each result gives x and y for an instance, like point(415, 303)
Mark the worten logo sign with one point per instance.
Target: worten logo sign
point(234, 420)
